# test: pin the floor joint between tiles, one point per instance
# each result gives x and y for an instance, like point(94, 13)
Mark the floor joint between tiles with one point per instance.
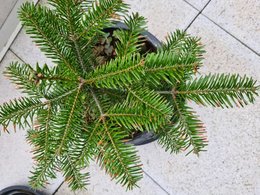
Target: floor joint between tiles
point(58, 188)
point(16, 55)
point(9, 49)
point(8, 15)
point(191, 5)
point(156, 182)
point(196, 15)
point(244, 44)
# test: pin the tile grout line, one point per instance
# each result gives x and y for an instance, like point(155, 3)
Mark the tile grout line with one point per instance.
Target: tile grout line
point(144, 173)
point(237, 39)
point(156, 182)
point(200, 12)
point(191, 5)
point(8, 15)
point(9, 49)
point(16, 55)
point(14, 34)
point(226, 31)
point(58, 188)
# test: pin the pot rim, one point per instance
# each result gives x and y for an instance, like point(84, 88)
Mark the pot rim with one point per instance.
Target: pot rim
point(19, 189)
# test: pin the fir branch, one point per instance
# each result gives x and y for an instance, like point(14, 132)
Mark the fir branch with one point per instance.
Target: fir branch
point(164, 92)
point(69, 119)
point(186, 128)
point(98, 18)
point(88, 145)
point(97, 103)
point(35, 82)
point(184, 45)
point(118, 72)
point(46, 119)
point(73, 176)
point(43, 172)
point(130, 116)
point(60, 92)
point(79, 54)
point(130, 40)
point(40, 138)
point(40, 135)
point(86, 5)
point(167, 66)
point(24, 76)
point(220, 90)
point(151, 101)
point(18, 110)
point(127, 171)
point(71, 13)
point(46, 34)
point(171, 139)
point(113, 94)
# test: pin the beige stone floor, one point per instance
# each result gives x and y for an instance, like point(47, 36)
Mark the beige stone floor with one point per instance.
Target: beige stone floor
point(230, 31)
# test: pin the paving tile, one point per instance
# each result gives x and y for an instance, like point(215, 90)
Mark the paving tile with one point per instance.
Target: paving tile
point(231, 164)
point(5, 9)
point(198, 4)
point(239, 17)
point(11, 25)
point(100, 183)
point(164, 16)
point(16, 159)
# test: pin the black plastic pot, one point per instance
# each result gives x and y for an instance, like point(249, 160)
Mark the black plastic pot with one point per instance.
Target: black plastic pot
point(19, 190)
point(155, 43)
point(142, 137)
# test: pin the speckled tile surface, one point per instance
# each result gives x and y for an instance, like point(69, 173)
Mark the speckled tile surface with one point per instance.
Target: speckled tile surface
point(231, 164)
point(240, 17)
point(164, 16)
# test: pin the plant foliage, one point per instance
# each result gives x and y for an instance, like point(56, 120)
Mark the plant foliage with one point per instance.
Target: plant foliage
point(79, 110)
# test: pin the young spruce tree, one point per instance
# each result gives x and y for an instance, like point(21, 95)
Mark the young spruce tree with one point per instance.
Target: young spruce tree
point(79, 110)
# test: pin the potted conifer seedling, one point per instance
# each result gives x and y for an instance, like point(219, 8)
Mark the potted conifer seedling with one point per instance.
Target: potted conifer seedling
point(111, 83)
